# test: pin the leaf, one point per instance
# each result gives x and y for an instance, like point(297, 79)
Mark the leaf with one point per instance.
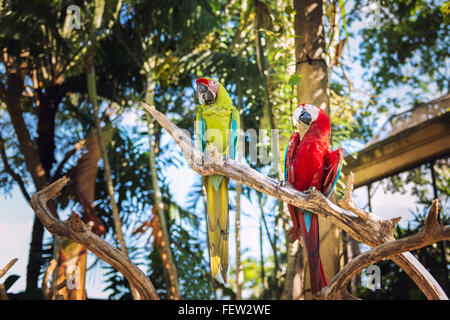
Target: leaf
point(445, 9)
point(98, 14)
point(84, 174)
point(289, 10)
point(154, 224)
point(9, 282)
point(339, 49)
point(344, 19)
point(294, 79)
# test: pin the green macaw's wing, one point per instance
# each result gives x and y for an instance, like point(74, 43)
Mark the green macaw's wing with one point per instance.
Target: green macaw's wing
point(232, 142)
point(234, 130)
point(201, 141)
point(200, 131)
point(231, 139)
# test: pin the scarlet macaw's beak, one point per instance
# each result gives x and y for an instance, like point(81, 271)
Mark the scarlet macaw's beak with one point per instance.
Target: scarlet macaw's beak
point(305, 117)
point(302, 116)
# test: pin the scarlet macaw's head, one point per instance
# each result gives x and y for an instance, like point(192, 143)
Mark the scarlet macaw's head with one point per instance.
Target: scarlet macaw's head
point(207, 90)
point(307, 116)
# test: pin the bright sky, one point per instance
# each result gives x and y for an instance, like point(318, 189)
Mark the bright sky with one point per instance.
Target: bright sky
point(16, 216)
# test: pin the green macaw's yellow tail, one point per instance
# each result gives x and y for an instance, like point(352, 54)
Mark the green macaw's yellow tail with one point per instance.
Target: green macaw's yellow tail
point(218, 222)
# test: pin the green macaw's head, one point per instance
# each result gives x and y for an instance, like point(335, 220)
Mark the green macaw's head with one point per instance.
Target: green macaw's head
point(209, 90)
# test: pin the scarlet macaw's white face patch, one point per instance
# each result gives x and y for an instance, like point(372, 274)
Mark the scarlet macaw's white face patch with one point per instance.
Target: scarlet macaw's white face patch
point(313, 111)
point(309, 108)
point(309, 113)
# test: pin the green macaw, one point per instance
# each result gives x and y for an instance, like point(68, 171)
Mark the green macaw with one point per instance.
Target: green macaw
point(217, 124)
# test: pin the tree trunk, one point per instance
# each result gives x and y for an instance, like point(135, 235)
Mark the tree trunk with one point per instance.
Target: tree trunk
point(15, 84)
point(314, 89)
point(291, 252)
point(268, 120)
point(48, 107)
point(170, 266)
point(298, 283)
point(92, 91)
point(352, 249)
point(71, 258)
point(239, 272)
point(265, 286)
point(310, 54)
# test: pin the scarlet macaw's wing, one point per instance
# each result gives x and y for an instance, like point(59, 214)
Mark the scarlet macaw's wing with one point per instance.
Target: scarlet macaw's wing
point(333, 165)
point(289, 176)
point(289, 157)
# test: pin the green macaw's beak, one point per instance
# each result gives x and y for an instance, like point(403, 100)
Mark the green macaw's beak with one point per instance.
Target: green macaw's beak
point(204, 93)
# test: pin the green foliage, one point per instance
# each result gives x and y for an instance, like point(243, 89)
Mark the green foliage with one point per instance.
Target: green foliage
point(420, 180)
point(409, 46)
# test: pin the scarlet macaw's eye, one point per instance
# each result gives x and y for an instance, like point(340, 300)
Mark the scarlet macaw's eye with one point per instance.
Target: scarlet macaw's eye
point(313, 111)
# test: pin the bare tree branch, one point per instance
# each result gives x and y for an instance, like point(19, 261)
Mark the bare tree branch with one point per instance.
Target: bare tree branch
point(7, 267)
point(431, 232)
point(46, 291)
point(365, 227)
point(54, 294)
point(75, 229)
point(3, 295)
point(347, 202)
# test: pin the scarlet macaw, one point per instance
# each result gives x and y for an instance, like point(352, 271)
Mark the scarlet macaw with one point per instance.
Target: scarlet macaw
point(217, 124)
point(310, 162)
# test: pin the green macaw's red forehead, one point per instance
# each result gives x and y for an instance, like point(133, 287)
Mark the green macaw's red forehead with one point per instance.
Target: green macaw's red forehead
point(212, 84)
point(202, 80)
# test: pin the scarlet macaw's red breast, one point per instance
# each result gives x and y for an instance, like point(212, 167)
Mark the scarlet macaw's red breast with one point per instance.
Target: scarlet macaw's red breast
point(309, 162)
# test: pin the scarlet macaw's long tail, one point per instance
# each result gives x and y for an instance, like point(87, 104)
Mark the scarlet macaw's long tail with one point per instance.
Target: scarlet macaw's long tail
point(217, 203)
point(307, 224)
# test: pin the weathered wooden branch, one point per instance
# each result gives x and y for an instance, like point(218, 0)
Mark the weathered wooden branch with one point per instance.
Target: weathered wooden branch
point(347, 201)
point(75, 229)
point(53, 292)
point(365, 227)
point(3, 295)
point(431, 232)
point(7, 267)
point(46, 291)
